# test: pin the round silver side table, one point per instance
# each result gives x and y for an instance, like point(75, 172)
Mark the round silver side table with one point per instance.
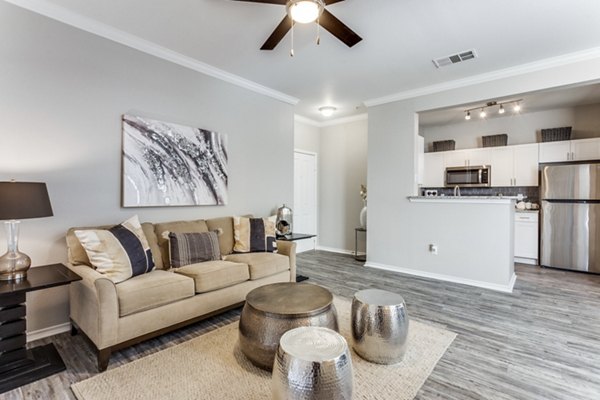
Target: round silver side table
point(312, 363)
point(274, 309)
point(379, 326)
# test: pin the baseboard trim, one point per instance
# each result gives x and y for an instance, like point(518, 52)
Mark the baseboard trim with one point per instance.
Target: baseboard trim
point(530, 261)
point(335, 250)
point(508, 288)
point(49, 331)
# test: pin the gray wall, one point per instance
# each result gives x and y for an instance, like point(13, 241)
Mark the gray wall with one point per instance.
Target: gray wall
point(521, 128)
point(342, 167)
point(399, 231)
point(63, 94)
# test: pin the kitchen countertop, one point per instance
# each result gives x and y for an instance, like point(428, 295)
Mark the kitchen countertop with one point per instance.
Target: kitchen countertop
point(462, 199)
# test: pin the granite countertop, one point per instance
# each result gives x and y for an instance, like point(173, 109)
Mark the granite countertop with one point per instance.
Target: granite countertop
point(461, 199)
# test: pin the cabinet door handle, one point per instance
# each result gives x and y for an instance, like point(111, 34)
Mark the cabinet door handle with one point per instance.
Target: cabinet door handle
point(568, 156)
point(572, 156)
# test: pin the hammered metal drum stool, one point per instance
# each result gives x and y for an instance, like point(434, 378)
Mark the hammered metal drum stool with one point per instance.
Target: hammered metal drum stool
point(274, 309)
point(312, 363)
point(379, 326)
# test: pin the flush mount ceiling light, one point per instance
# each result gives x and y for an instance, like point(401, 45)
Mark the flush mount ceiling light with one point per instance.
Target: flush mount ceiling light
point(327, 111)
point(305, 11)
point(501, 109)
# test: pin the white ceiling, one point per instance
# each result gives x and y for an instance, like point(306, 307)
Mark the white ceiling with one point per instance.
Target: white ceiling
point(400, 38)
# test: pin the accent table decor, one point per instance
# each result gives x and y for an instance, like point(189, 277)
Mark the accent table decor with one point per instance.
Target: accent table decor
point(379, 326)
point(312, 363)
point(20, 200)
point(274, 309)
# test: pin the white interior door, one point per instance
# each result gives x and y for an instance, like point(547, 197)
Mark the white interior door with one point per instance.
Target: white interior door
point(305, 198)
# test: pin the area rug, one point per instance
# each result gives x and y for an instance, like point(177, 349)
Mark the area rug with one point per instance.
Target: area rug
point(212, 366)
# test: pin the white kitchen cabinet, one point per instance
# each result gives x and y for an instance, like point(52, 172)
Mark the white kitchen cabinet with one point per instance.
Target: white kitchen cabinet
point(526, 164)
point(433, 169)
point(570, 150)
point(503, 166)
point(467, 158)
point(585, 149)
point(456, 158)
point(555, 151)
point(526, 237)
point(515, 165)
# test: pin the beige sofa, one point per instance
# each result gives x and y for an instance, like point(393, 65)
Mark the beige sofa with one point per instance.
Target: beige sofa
point(114, 316)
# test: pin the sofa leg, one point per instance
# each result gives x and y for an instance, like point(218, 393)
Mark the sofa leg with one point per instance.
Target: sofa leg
point(103, 358)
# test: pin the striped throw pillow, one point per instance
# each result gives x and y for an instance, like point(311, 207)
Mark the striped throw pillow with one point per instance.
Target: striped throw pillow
point(254, 235)
point(192, 248)
point(120, 252)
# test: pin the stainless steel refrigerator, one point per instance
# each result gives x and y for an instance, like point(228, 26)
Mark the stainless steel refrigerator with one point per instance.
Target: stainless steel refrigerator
point(570, 230)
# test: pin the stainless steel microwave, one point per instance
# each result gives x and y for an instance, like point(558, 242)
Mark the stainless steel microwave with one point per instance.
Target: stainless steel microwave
point(473, 176)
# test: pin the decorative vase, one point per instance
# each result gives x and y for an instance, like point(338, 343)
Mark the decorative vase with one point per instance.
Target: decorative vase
point(363, 217)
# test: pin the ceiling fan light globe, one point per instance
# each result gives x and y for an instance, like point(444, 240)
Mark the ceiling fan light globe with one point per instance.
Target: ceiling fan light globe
point(304, 11)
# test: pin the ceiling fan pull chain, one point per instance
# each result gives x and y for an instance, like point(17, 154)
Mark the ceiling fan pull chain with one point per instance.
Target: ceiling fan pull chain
point(292, 50)
point(318, 32)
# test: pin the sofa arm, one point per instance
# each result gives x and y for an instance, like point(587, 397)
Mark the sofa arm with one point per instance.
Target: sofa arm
point(94, 305)
point(288, 248)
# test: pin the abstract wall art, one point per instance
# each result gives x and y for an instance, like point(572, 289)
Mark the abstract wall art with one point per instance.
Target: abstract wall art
point(166, 164)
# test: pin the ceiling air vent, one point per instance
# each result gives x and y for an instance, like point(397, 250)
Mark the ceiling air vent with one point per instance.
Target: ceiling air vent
point(455, 58)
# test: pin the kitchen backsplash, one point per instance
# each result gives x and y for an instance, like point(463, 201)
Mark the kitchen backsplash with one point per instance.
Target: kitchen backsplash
point(532, 193)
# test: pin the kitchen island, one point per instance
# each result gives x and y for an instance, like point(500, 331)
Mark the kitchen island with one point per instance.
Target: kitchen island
point(463, 239)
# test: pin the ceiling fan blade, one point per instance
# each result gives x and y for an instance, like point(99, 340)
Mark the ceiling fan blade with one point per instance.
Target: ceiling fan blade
point(282, 29)
point(282, 2)
point(338, 29)
point(328, 2)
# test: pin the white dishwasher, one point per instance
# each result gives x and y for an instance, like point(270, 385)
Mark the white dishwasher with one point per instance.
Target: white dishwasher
point(526, 237)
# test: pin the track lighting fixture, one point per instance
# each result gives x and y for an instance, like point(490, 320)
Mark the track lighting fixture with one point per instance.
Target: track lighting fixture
point(501, 109)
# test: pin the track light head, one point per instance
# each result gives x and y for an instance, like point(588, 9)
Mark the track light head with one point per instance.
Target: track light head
point(468, 115)
point(482, 114)
point(501, 110)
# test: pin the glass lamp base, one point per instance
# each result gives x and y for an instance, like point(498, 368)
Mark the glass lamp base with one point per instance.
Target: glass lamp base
point(14, 266)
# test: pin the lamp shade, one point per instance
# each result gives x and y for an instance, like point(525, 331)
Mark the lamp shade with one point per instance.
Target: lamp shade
point(22, 200)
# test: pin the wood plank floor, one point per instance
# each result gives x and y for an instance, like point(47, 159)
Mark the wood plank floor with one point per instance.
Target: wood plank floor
point(540, 342)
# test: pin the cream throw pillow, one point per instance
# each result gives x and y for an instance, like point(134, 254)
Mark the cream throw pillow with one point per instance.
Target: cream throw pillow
point(119, 252)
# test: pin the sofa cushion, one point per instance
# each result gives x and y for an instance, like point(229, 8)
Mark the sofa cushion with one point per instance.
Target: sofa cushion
point(261, 264)
point(224, 227)
point(177, 227)
point(253, 235)
point(148, 229)
point(119, 252)
point(152, 290)
point(213, 275)
point(192, 248)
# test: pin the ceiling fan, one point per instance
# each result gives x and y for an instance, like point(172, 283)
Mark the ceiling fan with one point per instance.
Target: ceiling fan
point(305, 11)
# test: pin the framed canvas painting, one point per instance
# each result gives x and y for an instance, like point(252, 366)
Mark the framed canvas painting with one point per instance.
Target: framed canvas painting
point(166, 164)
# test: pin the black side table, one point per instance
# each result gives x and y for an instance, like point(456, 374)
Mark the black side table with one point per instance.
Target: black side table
point(291, 238)
point(19, 365)
point(356, 256)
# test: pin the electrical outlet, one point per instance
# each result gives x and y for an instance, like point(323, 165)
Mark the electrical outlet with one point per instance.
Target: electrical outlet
point(433, 249)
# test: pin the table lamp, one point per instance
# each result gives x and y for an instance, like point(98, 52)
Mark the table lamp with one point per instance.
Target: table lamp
point(20, 200)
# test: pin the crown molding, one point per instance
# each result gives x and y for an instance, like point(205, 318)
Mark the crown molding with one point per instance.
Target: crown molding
point(333, 122)
point(307, 121)
point(536, 66)
point(79, 21)
point(345, 120)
